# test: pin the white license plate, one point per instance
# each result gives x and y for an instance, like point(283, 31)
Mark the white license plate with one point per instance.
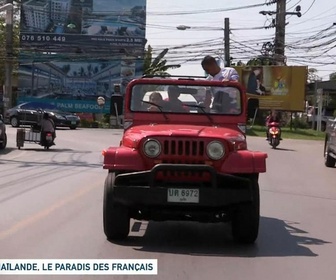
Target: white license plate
point(183, 195)
point(73, 122)
point(49, 137)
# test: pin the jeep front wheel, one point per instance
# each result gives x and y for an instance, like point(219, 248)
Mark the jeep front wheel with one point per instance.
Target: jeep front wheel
point(115, 216)
point(245, 220)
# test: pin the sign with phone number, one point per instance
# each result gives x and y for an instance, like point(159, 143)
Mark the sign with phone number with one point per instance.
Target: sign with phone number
point(29, 39)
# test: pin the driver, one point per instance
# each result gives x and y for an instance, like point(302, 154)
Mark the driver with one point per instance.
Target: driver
point(174, 104)
point(272, 117)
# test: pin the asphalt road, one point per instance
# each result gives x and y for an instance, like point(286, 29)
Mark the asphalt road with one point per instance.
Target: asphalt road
point(51, 207)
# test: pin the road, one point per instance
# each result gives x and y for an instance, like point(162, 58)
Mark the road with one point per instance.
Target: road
point(51, 207)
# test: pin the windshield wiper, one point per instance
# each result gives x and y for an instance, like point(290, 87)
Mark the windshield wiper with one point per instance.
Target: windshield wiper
point(202, 108)
point(158, 106)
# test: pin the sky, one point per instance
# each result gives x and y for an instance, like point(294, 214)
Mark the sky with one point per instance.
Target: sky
point(310, 39)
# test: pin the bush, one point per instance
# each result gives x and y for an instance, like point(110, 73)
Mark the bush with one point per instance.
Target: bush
point(300, 123)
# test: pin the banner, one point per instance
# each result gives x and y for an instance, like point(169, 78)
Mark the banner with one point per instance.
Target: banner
point(83, 24)
point(276, 87)
point(75, 86)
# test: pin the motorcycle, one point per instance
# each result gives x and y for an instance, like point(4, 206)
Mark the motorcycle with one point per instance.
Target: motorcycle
point(47, 140)
point(274, 134)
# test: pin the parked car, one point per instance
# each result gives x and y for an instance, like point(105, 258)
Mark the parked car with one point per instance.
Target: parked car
point(29, 113)
point(3, 135)
point(330, 144)
point(326, 115)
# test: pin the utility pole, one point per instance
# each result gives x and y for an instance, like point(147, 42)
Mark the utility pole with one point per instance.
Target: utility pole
point(7, 96)
point(280, 26)
point(227, 42)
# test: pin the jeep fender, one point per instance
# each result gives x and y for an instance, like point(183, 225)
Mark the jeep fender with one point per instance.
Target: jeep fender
point(123, 158)
point(245, 162)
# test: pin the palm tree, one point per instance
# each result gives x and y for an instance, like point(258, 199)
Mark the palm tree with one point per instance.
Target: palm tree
point(157, 66)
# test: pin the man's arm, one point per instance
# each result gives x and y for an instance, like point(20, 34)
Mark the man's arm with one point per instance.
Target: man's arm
point(232, 75)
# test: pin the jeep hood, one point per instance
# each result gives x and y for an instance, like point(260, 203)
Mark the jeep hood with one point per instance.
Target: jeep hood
point(135, 134)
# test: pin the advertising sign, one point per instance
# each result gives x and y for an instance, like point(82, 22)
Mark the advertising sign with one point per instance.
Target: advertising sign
point(83, 23)
point(276, 87)
point(75, 86)
point(73, 51)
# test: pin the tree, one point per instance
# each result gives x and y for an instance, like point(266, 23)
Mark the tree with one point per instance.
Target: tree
point(16, 43)
point(261, 60)
point(332, 76)
point(312, 75)
point(157, 66)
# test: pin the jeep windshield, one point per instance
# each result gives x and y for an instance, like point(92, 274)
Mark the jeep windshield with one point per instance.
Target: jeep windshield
point(186, 99)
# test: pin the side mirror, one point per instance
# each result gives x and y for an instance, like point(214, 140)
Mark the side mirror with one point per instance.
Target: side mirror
point(117, 105)
point(1, 117)
point(252, 107)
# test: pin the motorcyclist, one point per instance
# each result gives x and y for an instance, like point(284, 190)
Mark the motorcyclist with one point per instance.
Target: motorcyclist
point(272, 117)
point(47, 125)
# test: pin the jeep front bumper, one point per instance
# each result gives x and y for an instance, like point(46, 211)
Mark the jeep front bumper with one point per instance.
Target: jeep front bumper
point(140, 189)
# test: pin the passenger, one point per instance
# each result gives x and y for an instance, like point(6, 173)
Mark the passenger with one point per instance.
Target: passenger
point(157, 99)
point(223, 103)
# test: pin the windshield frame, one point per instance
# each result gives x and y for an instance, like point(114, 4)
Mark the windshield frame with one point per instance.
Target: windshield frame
point(184, 82)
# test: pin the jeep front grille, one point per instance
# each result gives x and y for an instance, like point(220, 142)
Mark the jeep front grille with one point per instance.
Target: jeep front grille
point(192, 148)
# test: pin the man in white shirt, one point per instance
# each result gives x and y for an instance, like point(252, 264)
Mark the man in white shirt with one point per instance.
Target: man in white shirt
point(209, 65)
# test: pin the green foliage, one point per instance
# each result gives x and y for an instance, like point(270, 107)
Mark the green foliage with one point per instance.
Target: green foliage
point(299, 123)
point(261, 60)
point(3, 50)
point(287, 133)
point(158, 65)
point(332, 76)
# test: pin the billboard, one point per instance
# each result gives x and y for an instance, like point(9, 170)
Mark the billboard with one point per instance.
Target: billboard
point(73, 51)
point(75, 85)
point(83, 24)
point(276, 87)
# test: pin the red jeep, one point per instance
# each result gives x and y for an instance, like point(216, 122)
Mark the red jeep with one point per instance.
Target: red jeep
point(183, 156)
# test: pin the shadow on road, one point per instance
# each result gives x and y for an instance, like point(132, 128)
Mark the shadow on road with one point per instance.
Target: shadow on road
point(277, 238)
point(53, 162)
point(7, 151)
point(51, 149)
point(284, 149)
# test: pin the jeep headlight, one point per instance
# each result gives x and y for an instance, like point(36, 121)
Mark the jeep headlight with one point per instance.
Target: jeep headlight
point(152, 148)
point(215, 150)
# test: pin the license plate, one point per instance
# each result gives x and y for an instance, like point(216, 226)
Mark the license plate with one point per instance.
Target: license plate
point(183, 195)
point(49, 137)
point(73, 122)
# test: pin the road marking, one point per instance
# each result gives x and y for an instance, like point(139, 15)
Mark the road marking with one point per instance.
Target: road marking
point(44, 213)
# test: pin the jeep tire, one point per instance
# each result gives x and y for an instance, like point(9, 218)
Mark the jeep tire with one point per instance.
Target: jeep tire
point(328, 160)
point(4, 142)
point(245, 219)
point(115, 216)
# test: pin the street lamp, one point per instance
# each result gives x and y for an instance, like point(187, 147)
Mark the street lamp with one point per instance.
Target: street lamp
point(226, 30)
